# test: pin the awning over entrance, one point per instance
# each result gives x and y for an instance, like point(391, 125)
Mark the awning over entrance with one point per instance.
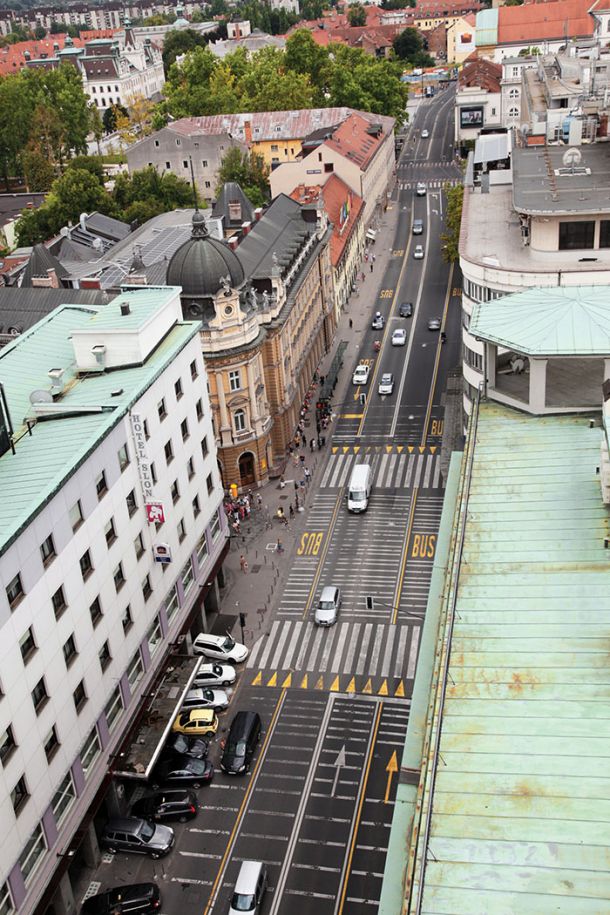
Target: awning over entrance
point(371, 235)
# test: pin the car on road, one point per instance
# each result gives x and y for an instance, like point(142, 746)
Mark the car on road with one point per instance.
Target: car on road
point(361, 374)
point(137, 835)
point(386, 385)
point(405, 309)
point(132, 899)
point(197, 721)
point(419, 252)
point(166, 806)
point(205, 698)
point(399, 337)
point(327, 608)
point(182, 771)
point(378, 321)
point(241, 743)
point(420, 190)
point(425, 134)
point(192, 747)
point(434, 324)
point(214, 675)
point(418, 227)
point(219, 648)
point(250, 888)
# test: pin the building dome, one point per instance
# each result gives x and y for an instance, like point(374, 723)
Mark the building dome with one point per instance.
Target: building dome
point(202, 264)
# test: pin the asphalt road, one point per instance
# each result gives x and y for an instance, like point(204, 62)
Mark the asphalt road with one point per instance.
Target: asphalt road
point(317, 805)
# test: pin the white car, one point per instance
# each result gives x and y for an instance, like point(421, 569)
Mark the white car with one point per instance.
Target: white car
point(220, 648)
point(424, 134)
point(420, 190)
point(418, 254)
point(399, 337)
point(386, 385)
point(205, 698)
point(214, 675)
point(361, 374)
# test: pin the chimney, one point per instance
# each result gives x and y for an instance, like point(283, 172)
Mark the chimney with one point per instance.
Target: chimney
point(248, 132)
point(125, 309)
point(56, 376)
point(258, 213)
point(99, 351)
point(53, 280)
point(233, 242)
point(245, 228)
point(90, 282)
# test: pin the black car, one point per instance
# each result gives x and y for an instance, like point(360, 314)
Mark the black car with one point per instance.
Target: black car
point(164, 806)
point(135, 898)
point(241, 742)
point(194, 747)
point(182, 771)
point(405, 309)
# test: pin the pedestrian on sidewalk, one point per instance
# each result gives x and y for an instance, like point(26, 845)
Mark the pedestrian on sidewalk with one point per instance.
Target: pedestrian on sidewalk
point(278, 546)
point(243, 563)
point(291, 512)
point(259, 500)
point(307, 475)
point(373, 258)
point(351, 324)
point(371, 268)
point(302, 456)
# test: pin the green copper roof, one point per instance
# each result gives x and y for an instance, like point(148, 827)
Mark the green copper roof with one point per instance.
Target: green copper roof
point(560, 321)
point(45, 459)
point(521, 807)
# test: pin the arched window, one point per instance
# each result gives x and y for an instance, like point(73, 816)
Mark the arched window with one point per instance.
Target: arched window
point(239, 418)
point(513, 112)
point(514, 93)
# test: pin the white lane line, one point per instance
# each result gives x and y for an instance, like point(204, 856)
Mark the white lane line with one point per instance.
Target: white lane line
point(254, 652)
point(280, 646)
point(349, 660)
point(387, 654)
point(327, 471)
point(437, 475)
point(400, 654)
point(418, 470)
point(382, 469)
point(372, 667)
point(328, 645)
point(338, 463)
point(364, 647)
point(293, 643)
point(390, 477)
point(336, 659)
point(429, 463)
point(298, 664)
point(411, 465)
point(413, 652)
point(269, 645)
point(351, 459)
point(311, 661)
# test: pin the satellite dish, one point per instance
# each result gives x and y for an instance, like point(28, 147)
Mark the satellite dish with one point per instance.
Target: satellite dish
point(572, 157)
point(41, 396)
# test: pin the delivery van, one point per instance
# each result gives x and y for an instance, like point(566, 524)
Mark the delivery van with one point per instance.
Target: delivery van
point(359, 489)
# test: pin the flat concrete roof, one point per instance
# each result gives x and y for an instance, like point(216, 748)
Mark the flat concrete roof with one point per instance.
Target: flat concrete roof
point(539, 187)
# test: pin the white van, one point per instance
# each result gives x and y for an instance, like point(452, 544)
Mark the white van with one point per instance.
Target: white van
point(250, 888)
point(359, 489)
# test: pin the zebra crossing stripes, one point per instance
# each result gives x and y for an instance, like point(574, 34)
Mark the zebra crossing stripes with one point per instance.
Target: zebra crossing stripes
point(442, 182)
point(390, 471)
point(371, 649)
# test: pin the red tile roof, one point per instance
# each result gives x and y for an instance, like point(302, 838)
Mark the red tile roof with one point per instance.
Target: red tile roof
point(353, 140)
point(482, 73)
point(13, 59)
point(535, 22)
point(337, 198)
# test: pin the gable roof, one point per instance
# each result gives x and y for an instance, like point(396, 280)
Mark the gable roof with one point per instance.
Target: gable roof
point(342, 207)
point(482, 73)
point(231, 193)
point(21, 308)
point(535, 22)
point(355, 140)
point(41, 260)
point(279, 232)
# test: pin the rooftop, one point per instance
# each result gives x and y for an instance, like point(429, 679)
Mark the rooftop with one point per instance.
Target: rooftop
point(342, 208)
point(545, 182)
point(354, 138)
point(535, 22)
point(522, 795)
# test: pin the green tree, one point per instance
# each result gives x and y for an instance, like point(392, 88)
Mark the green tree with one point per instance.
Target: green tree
point(187, 87)
point(269, 86)
point(167, 190)
point(451, 237)
point(92, 164)
point(304, 56)
point(57, 28)
point(180, 42)
point(249, 171)
point(61, 91)
point(38, 171)
point(408, 44)
point(79, 191)
point(313, 9)
point(40, 32)
point(109, 117)
point(16, 111)
point(397, 4)
point(96, 125)
point(369, 83)
point(356, 15)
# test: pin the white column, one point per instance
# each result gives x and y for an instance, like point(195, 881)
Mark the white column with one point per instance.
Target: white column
point(538, 385)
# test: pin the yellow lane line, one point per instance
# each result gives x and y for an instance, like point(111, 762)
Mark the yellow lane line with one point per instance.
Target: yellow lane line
point(329, 534)
point(437, 359)
point(241, 811)
point(367, 771)
point(405, 554)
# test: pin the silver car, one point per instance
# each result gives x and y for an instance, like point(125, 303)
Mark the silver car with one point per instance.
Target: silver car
point(327, 609)
point(205, 698)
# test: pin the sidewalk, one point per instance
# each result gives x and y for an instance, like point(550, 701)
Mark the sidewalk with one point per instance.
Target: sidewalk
point(256, 591)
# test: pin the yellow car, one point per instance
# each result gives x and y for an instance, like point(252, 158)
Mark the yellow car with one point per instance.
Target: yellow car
point(196, 721)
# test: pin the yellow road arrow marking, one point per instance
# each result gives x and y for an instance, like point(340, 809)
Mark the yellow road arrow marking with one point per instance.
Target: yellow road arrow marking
point(400, 690)
point(304, 682)
point(273, 680)
point(383, 689)
point(345, 449)
point(287, 682)
point(391, 769)
point(368, 688)
point(320, 683)
point(334, 686)
point(351, 686)
point(334, 449)
point(399, 448)
point(258, 679)
point(433, 449)
point(356, 449)
point(389, 448)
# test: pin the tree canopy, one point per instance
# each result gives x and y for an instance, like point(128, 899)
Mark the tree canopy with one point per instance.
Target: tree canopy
point(249, 171)
point(451, 238)
point(356, 14)
point(410, 47)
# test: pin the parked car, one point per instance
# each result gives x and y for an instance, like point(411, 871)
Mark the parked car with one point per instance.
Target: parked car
point(418, 253)
point(163, 806)
point(327, 609)
point(241, 742)
point(137, 835)
point(361, 374)
point(250, 888)
point(192, 772)
point(434, 324)
point(132, 899)
point(205, 698)
point(215, 675)
point(191, 747)
point(220, 648)
point(420, 190)
point(399, 337)
point(405, 309)
point(386, 385)
point(196, 721)
point(378, 321)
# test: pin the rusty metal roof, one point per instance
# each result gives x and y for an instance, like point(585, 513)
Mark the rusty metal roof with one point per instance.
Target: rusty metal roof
point(521, 808)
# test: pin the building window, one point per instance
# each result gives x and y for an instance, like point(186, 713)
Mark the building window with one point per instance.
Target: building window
point(90, 752)
point(95, 612)
point(168, 166)
point(110, 533)
point(113, 708)
point(132, 503)
point(215, 527)
point(154, 636)
point(239, 418)
point(161, 409)
point(127, 619)
point(119, 577)
point(153, 472)
point(59, 602)
point(69, 650)
point(135, 671)
point(157, 144)
point(146, 587)
point(104, 656)
point(19, 794)
point(234, 381)
point(175, 491)
point(47, 550)
point(184, 429)
point(202, 550)
point(32, 854)
point(27, 645)
point(80, 697)
point(123, 455)
point(194, 372)
point(7, 745)
point(210, 484)
point(204, 163)
point(199, 409)
point(207, 184)
point(604, 232)
point(187, 577)
point(14, 591)
point(76, 515)
point(63, 798)
point(204, 446)
point(139, 545)
point(178, 389)
point(146, 430)
point(86, 566)
point(181, 530)
point(169, 452)
point(40, 697)
point(574, 235)
point(185, 163)
point(513, 112)
point(196, 506)
point(101, 487)
point(171, 604)
point(51, 746)
point(514, 93)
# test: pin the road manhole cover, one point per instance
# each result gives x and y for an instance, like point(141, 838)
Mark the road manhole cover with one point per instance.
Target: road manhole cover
point(255, 569)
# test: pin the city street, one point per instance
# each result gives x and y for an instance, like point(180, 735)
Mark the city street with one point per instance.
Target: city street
point(317, 805)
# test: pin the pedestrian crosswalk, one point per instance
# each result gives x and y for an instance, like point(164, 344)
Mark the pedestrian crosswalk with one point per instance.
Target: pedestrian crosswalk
point(423, 163)
point(349, 648)
point(443, 182)
point(391, 470)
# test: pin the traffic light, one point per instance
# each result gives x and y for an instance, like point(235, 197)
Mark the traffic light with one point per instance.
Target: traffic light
point(242, 620)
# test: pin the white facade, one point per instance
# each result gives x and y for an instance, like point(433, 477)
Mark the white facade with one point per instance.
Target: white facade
point(129, 71)
point(112, 650)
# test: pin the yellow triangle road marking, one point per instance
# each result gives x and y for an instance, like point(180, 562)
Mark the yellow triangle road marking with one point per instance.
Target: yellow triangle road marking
point(433, 449)
point(273, 681)
point(287, 682)
point(304, 682)
point(356, 449)
point(368, 688)
point(258, 679)
point(410, 448)
point(388, 449)
point(399, 448)
point(383, 689)
point(334, 686)
point(320, 683)
point(422, 449)
point(345, 449)
point(351, 686)
point(400, 690)
point(334, 449)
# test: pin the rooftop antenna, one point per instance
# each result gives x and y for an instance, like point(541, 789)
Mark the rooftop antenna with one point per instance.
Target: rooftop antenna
point(193, 183)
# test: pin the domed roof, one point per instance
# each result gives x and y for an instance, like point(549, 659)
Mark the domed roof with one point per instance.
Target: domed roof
point(202, 263)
